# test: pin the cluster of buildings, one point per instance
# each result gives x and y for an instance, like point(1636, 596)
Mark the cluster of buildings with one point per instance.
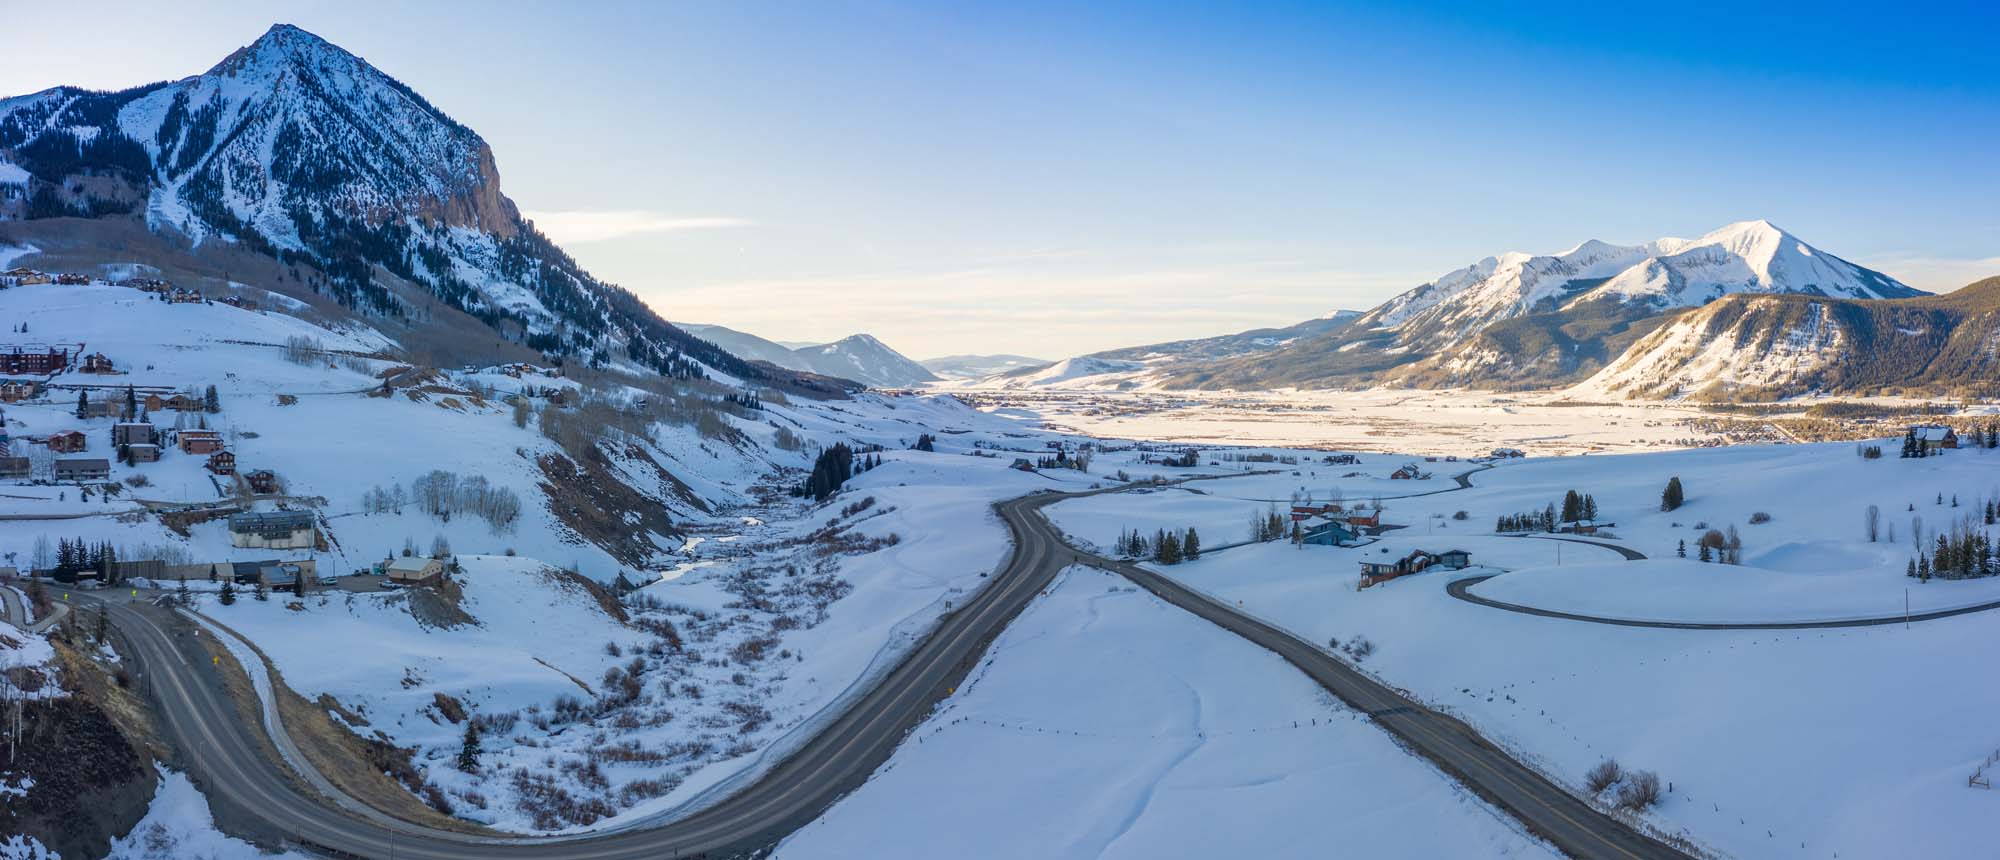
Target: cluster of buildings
point(22, 276)
point(1386, 567)
point(1331, 524)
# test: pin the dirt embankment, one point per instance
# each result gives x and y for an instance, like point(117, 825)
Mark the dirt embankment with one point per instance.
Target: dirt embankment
point(597, 507)
point(88, 754)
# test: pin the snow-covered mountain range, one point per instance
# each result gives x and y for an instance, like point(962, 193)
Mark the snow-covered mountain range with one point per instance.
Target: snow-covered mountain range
point(294, 149)
point(859, 357)
point(1516, 319)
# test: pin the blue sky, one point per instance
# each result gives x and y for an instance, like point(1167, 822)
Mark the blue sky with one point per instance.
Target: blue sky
point(1052, 178)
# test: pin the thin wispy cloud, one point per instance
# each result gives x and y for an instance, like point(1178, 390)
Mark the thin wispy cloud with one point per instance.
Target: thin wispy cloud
point(1936, 274)
point(605, 225)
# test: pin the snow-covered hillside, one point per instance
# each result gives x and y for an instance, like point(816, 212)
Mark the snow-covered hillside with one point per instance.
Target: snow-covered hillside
point(1726, 349)
point(751, 614)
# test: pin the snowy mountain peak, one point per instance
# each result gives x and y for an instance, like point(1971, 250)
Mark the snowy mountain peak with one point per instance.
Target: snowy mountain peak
point(283, 44)
point(1744, 257)
point(292, 147)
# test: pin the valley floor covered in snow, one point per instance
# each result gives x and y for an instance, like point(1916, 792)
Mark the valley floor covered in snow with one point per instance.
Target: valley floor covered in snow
point(1815, 743)
point(1105, 723)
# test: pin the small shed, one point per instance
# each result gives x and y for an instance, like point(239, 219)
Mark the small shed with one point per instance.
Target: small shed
point(414, 570)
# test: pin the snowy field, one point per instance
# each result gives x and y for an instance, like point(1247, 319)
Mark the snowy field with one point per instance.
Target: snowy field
point(1461, 423)
point(1795, 744)
point(1107, 724)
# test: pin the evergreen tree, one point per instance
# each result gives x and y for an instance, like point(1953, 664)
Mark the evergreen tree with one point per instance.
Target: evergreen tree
point(228, 592)
point(1913, 569)
point(262, 593)
point(925, 443)
point(1170, 548)
point(1911, 448)
point(1191, 545)
point(833, 467)
point(83, 404)
point(468, 753)
point(1589, 507)
point(131, 403)
point(1705, 553)
point(1673, 497)
point(210, 401)
point(1572, 508)
point(1683, 550)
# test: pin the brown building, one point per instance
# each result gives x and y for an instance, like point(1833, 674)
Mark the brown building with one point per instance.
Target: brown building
point(37, 361)
point(97, 362)
point(222, 463)
point(15, 467)
point(68, 442)
point(146, 453)
point(200, 441)
point(17, 390)
point(176, 402)
point(262, 481)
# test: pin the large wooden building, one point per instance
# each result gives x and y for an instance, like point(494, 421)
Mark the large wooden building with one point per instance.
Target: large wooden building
point(274, 530)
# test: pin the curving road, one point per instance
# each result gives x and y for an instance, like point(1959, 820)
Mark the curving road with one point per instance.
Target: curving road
point(255, 795)
point(1461, 589)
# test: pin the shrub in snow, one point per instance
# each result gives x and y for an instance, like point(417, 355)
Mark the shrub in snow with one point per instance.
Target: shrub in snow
point(1759, 518)
point(1603, 776)
point(1639, 790)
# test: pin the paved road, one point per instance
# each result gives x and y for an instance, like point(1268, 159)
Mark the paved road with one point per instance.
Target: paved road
point(16, 611)
point(255, 795)
point(1573, 826)
point(1461, 589)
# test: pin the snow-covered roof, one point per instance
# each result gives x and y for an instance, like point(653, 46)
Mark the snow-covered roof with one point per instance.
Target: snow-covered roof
point(1931, 432)
point(411, 564)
